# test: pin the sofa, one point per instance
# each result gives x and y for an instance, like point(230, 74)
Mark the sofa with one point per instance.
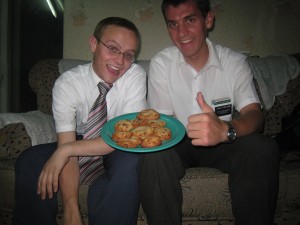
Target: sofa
point(206, 196)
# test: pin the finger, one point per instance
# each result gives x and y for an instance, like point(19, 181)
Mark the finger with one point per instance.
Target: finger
point(49, 186)
point(41, 185)
point(202, 103)
point(55, 182)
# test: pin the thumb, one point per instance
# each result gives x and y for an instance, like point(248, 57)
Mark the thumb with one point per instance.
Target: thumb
point(202, 103)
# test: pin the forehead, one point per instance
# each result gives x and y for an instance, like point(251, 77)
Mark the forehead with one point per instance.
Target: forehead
point(120, 35)
point(112, 30)
point(182, 11)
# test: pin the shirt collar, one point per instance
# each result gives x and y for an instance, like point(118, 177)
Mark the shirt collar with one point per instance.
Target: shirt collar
point(95, 79)
point(213, 59)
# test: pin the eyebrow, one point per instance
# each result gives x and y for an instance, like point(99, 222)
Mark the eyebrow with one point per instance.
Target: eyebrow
point(186, 17)
point(119, 46)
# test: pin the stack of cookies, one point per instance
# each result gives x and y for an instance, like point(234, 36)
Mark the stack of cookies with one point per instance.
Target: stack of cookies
point(147, 130)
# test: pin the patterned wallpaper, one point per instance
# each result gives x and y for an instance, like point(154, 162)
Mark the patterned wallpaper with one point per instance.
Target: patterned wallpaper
point(258, 27)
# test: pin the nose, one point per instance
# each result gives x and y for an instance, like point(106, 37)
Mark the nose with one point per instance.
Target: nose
point(120, 58)
point(182, 30)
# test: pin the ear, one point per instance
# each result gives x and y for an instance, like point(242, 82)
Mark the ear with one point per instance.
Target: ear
point(93, 43)
point(209, 20)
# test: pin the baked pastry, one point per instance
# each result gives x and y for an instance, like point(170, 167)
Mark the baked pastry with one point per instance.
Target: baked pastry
point(163, 132)
point(137, 122)
point(156, 123)
point(142, 131)
point(123, 125)
point(151, 141)
point(146, 130)
point(129, 142)
point(121, 135)
point(148, 114)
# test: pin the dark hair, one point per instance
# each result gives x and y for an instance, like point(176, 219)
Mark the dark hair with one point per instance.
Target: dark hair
point(116, 21)
point(203, 5)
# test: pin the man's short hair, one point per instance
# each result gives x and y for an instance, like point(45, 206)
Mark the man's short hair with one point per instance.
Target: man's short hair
point(203, 5)
point(116, 21)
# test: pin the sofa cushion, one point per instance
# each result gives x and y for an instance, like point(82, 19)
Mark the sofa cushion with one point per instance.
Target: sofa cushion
point(39, 126)
point(282, 107)
point(13, 140)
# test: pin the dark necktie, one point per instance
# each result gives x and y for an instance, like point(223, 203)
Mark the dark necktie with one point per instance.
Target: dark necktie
point(91, 167)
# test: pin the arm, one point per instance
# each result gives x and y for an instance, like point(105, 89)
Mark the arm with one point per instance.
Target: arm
point(62, 168)
point(65, 159)
point(207, 129)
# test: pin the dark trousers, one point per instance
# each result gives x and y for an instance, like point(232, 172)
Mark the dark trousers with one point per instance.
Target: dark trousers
point(112, 199)
point(252, 163)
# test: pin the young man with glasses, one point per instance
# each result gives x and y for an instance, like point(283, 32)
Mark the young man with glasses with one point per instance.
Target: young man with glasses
point(43, 170)
point(200, 83)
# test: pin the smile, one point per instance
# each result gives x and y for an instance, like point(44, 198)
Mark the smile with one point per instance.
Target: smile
point(113, 69)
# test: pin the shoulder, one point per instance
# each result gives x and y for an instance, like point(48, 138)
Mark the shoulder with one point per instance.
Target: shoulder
point(166, 56)
point(227, 55)
point(136, 69)
point(135, 74)
point(77, 72)
point(75, 77)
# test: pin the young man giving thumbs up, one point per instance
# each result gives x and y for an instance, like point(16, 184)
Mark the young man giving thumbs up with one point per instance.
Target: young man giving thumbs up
point(200, 84)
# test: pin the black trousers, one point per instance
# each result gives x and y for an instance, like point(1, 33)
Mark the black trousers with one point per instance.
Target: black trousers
point(112, 199)
point(252, 163)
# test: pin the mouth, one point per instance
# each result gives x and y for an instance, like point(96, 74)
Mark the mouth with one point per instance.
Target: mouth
point(113, 70)
point(185, 42)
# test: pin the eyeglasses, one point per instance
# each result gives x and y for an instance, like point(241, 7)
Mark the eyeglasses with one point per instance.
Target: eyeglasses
point(115, 51)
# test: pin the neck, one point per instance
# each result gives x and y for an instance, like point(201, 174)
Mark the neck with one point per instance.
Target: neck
point(198, 60)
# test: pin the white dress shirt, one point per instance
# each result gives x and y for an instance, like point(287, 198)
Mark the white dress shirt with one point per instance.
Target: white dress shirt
point(75, 91)
point(225, 81)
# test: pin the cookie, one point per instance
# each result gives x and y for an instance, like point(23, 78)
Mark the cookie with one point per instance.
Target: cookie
point(121, 135)
point(151, 141)
point(142, 131)
point(156, 123)
point(148, 114)
point(129, 142)
point(163, 132)
point(137, 122)
point(123, 125)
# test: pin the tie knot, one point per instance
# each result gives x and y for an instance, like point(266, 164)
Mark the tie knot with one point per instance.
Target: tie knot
point(104, 87)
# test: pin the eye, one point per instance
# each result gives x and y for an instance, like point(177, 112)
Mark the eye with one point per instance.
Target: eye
point(171, 24)
point(190, 20)
point(114, 49)
point(129, 56)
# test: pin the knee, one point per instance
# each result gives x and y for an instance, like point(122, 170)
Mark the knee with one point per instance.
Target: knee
point(267, 146)
point(24, 159)
point(33, 159)
point(130, 162)
point(264, 148)
point(122, 163)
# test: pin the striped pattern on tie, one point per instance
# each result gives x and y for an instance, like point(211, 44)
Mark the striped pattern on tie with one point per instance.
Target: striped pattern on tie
point(91, 167)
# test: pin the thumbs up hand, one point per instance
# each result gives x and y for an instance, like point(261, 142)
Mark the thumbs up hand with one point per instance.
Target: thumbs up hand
point(203, 105)
point(206, 129)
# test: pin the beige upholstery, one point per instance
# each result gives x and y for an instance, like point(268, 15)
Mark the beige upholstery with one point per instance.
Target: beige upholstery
point(206, 196)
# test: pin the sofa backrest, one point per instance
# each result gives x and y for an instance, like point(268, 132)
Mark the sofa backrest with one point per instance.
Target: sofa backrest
point(44, 73)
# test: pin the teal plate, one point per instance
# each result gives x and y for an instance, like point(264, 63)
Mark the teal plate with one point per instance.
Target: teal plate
point(178, 132)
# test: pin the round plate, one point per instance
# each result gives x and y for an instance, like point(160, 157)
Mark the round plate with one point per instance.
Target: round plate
point(178, 132)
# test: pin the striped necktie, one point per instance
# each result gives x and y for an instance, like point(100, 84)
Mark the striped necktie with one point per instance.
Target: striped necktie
point(91, 167)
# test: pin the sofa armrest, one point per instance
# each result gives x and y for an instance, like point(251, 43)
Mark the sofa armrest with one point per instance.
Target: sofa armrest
point(41, 79)
point(39, 126)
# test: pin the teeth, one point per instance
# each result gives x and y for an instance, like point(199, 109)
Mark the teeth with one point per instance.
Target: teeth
point(186, 41)
point(115, 70)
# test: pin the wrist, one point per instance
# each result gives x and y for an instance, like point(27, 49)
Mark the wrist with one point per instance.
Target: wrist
point(231, 133)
